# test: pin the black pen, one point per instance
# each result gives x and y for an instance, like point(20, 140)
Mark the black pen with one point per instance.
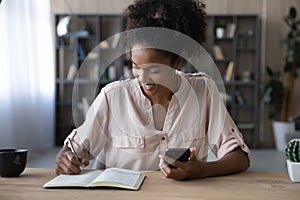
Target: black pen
point(73, 150)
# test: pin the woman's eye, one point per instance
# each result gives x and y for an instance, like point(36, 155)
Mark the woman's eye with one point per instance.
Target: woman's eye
point(153, 70)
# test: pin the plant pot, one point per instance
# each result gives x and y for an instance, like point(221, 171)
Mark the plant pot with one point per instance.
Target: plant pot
point(293, 170)
point(280, 130)
point(220, 32)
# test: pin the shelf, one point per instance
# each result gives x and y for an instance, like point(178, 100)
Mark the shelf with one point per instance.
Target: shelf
point(245, 49)
point(240, 83)
point(90, 37)
point(64, 47)
point(225, 60)
point(236, 83)
point(239, 44)
point(245, 106)
point(227, 39)
point(81, 81)
point(245, 126)
point(72, 51)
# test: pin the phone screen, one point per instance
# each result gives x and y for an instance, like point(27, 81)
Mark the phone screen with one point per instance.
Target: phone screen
point(180, 154)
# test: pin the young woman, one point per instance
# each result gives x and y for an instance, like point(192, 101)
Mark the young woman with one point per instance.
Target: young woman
point(132, 122)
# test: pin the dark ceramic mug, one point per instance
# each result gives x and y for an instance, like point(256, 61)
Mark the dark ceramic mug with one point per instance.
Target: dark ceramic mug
point(12, 162)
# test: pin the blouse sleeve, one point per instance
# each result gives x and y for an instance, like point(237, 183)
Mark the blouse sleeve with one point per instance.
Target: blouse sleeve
point(222, 133)
point(90, 138)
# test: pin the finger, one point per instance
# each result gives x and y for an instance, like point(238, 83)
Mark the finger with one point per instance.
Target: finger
point(64, 165)
point(167, 159)
point(176, 174)
point(174, 162)
point(179, 164)
point(166, 170)
point(70, 164)
point(61, 167)
point(84, 162)
point(161, 162)
point(163, 170)
point(58, 169)
point(72, 158)
point(193, 153)
point(163, 166)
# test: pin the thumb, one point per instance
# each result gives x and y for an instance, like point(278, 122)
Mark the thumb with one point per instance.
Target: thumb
point(84, 162)
point(193, 154)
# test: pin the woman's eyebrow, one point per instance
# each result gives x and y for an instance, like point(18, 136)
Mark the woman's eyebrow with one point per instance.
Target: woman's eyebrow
point(154, 65)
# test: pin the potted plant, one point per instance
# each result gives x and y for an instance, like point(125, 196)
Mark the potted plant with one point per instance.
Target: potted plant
point(292, 152)
point(278, 90)
point(220, 29)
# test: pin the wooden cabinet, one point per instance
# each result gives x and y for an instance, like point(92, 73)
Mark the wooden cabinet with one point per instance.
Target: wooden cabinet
point(233, 42)
point(78, 79)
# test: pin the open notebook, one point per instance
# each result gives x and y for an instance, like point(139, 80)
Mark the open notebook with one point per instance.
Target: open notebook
point(110, 177)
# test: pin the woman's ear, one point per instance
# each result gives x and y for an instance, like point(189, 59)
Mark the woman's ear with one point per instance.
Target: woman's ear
point(178, 63)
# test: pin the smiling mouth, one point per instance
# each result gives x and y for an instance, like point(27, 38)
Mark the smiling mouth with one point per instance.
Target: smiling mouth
point(148, 86)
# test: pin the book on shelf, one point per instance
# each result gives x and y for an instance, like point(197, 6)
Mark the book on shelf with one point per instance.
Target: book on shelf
point(239, 98)
point(81, 52)
point(111, 42)
point(218, 53)
point(115, 41)
point(227, 98)
point(246, 126)
point(229, 71)
point(61, 63)
point(72, 72)
point(110, 177)
point(230, 30)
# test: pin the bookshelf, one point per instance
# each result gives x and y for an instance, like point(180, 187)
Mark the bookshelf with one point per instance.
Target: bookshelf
point(239, 49)
point(71, 51)
point(235, 50)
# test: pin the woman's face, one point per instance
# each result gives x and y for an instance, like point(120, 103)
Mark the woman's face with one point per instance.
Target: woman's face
point(153, 71)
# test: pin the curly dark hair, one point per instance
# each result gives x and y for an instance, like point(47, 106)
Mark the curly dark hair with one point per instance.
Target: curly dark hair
point(185, 16)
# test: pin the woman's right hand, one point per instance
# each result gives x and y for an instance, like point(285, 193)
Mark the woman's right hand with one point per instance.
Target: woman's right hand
point(67, 163)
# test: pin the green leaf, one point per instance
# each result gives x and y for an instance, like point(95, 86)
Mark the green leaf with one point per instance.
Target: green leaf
point(267, 95)
point(288, 20)
point(293, 12)
point(297, 152)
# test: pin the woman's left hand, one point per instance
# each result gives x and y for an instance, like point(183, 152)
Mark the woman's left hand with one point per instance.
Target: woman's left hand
point(233, 162)
point(183, 170)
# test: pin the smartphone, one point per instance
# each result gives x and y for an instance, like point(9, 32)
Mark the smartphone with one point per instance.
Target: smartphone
point(180, 154)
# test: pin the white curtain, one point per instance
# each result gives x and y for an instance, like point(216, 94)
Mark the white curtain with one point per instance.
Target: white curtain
point(26, 75)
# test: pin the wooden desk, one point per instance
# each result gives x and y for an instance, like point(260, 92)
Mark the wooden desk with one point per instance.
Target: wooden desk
point(239, 186)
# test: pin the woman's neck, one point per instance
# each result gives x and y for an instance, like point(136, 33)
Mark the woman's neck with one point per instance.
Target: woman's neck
point(165, 95)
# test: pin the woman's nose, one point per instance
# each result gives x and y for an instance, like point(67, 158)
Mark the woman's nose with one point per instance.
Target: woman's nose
point(143, 76)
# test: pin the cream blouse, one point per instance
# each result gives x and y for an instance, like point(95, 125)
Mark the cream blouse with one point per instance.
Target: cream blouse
point(119, 129)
